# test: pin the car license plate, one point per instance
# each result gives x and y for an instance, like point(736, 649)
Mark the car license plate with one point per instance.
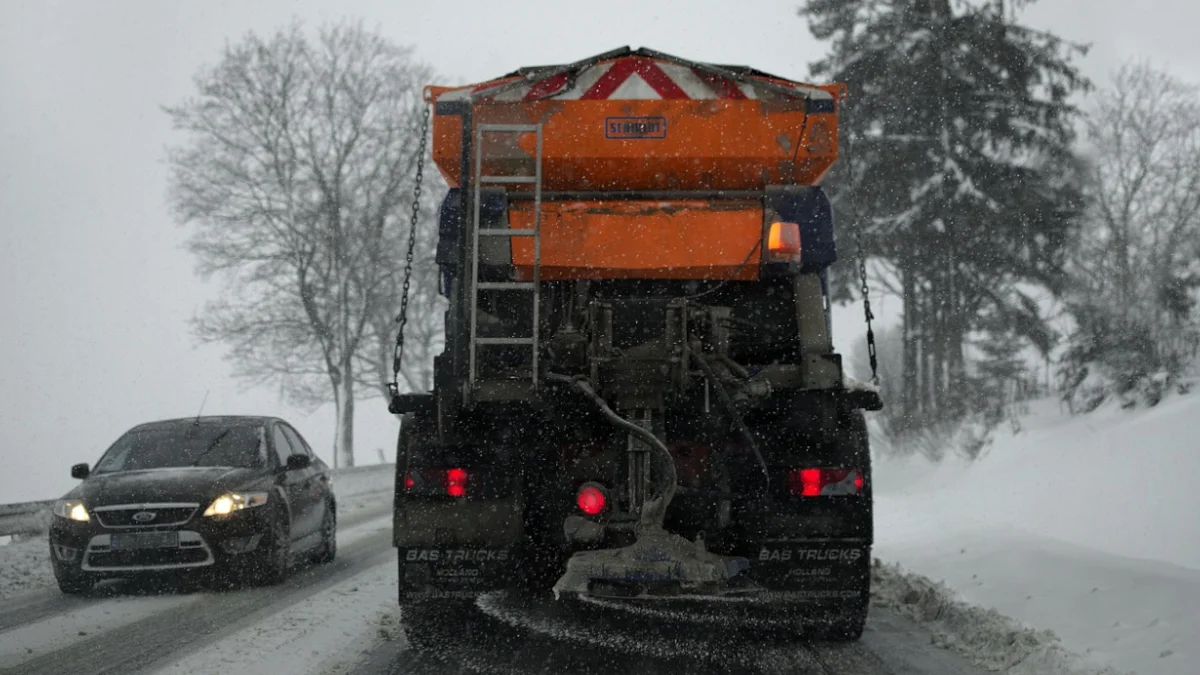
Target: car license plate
point(145, 540)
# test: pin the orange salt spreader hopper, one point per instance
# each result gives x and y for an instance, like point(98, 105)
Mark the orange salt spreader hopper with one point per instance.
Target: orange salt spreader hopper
point(652, 166)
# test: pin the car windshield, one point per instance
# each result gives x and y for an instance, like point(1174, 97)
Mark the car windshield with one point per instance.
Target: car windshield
point(182, 446)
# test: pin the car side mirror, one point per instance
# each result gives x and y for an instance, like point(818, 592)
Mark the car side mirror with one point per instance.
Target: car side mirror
point(297, 462)
point(80, 471)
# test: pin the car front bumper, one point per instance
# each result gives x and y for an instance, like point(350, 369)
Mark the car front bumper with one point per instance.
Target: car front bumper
point(201, 542)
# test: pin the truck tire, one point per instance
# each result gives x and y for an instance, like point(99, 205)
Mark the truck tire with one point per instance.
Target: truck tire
point(545, 554)
point(433, 626)
point(841, 616)
point(848, 627)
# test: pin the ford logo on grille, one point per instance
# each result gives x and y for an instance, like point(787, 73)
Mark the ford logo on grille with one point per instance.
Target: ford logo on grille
point(144, 516)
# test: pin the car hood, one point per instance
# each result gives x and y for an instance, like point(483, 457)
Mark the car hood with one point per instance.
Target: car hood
point(183, 484)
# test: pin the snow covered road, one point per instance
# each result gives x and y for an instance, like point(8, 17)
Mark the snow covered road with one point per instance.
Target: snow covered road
point(342, 618)
point(1045, 530)
point(508, 637)
point(121, 631)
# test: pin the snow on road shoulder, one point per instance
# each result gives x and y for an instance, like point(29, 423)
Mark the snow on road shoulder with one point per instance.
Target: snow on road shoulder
point(1117, 481)
point(366, 501)
point(347, 535)
point(24, 566)
point(1136, 615)
point(1085, 526)
point(326, 633)
point(985, 636)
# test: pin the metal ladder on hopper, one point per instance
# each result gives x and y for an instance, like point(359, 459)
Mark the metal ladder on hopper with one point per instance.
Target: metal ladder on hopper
point(477, 232)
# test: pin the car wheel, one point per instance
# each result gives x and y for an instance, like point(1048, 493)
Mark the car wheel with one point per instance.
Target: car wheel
point(274, 565)
point(72, 584)
point(328, 548)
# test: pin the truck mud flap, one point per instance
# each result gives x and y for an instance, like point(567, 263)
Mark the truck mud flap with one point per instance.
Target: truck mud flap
point(824, 572)
point(458, 571)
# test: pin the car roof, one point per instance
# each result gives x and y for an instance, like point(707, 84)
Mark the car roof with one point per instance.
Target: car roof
point(212, 420)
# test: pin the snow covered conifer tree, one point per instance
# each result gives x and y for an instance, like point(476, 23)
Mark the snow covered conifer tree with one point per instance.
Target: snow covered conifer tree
point(957, 161)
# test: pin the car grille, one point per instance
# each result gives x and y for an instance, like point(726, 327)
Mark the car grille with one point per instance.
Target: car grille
point(151, 557)
point(164, 514)
point(189, 550)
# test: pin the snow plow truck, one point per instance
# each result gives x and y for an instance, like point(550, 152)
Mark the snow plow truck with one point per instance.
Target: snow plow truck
point(638, 398)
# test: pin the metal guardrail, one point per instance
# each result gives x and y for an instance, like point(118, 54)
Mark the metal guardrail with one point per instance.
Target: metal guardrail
point(25, 517)
point(363, 468)
point(32, 518)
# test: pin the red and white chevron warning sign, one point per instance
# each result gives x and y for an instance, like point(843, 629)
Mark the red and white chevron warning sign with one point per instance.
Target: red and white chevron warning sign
point(627, 78)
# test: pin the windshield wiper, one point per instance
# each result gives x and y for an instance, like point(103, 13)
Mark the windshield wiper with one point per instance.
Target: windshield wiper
point(211, 446)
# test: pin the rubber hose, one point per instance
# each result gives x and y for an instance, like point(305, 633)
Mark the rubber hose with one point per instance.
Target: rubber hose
point(727, 403)
point(668, 491)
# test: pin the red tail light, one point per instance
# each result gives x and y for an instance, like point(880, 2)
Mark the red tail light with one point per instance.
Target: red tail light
point(456, 482)
point(591, 499)
point(825, 482)
point(431, 482)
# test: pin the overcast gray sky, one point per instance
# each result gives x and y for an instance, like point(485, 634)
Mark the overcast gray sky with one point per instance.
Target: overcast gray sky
point(95, 289)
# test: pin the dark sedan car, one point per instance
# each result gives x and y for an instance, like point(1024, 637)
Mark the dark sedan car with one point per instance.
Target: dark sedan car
point(240, 496)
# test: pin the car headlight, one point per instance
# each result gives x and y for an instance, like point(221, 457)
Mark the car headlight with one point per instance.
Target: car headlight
point(235, 501)
point(71, 509)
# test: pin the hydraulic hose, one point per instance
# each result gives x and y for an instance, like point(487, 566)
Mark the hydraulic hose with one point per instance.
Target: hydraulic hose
point(728, 404)
point(672, 477)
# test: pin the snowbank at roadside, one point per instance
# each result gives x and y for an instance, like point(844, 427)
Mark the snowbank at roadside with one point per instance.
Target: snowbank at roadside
point(985, 636)
point(1084, 526)
point(367, 479)
point(25, 565)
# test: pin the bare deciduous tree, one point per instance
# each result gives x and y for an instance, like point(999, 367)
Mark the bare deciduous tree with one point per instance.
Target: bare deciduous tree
point(1135, 268)
point(424, 334)
point(297, 176)
point(1145, 133)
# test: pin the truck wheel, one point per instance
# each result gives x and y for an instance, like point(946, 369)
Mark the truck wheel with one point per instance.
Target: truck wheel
point(847, 627)
point(545, 551)
point(433, 626)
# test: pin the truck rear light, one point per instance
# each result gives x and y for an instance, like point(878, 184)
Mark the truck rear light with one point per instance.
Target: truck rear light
point(436, 482)
point(783, 242)
point(825, 482)
point(456, 482)
point(591, 499)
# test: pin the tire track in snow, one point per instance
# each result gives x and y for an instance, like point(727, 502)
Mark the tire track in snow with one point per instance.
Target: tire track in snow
point(34, 606)
point(325, 632)
point(42, 639)
point(512, 636)
point(637, 630)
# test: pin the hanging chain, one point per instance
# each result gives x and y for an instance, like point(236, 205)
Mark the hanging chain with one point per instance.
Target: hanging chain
point(861, 255)
point(866, 294)
point(402, 319)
